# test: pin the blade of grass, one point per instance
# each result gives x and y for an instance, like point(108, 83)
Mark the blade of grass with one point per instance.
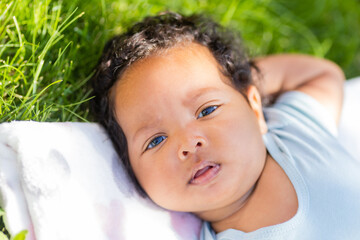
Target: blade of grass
point(18, 31)
point(38, 95)
point(6, 10)
point(230, 12)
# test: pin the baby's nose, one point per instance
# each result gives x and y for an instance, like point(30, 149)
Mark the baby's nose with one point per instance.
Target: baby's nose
point(190, 147)
point(198, 144)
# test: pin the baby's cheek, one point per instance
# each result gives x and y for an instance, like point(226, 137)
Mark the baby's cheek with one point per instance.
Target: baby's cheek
point(165, 188)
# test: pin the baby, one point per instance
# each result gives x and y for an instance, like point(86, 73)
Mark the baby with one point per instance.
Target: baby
point(181, 102)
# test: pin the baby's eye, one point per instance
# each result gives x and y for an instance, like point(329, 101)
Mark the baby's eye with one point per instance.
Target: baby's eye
point(207, 111)
point(156, 141)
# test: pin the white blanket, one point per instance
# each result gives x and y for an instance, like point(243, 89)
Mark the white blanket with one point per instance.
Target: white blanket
point(64, 181)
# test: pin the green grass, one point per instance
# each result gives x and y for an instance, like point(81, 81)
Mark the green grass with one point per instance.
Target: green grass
point(48, 48)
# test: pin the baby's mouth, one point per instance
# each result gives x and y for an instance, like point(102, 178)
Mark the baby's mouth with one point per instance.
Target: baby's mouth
point(204, 173)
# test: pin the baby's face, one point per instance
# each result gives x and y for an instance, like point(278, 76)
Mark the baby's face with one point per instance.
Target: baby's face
point(194, 142)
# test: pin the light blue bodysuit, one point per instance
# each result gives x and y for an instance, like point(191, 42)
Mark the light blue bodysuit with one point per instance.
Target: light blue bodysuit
point(302, 139)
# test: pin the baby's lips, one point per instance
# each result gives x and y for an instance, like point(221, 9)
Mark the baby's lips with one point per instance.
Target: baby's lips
point(202, 171)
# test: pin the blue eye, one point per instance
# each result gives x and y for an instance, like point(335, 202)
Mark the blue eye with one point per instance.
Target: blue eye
point(156, 141)
point(207, 111)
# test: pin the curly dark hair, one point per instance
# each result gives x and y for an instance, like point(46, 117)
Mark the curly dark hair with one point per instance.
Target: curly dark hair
point(150, 36)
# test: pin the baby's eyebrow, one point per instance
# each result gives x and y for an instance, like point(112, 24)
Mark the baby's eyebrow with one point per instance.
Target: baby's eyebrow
point(142, 129)
point(194, 95)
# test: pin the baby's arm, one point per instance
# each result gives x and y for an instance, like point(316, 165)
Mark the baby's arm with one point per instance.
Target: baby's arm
point(319, 78)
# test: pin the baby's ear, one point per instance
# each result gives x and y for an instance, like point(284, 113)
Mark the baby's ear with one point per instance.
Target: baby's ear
point(254, 98)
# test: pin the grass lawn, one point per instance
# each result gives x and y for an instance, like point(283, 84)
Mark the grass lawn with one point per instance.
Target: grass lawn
point(48, 48)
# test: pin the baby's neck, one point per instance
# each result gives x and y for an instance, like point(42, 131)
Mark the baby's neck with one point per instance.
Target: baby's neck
point(272, 201)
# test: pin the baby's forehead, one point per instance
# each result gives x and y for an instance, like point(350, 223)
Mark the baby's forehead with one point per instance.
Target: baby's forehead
point(177, 49)
point(185, 56)
point(182, 73)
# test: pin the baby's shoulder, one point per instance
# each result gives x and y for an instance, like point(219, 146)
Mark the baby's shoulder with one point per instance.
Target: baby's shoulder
point(299, 112)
